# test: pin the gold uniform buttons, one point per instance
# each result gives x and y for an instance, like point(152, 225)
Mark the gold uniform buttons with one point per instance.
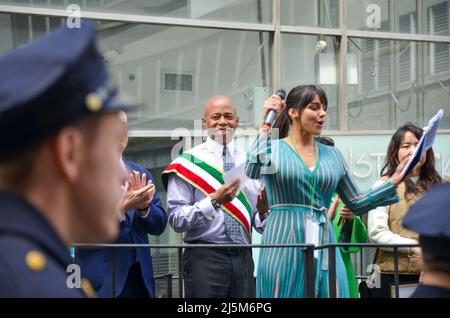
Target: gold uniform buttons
point(35, 261)
point(87, 288)
point(93, 102)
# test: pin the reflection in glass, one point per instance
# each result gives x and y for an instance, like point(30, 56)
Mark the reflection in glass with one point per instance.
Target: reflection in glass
point(398, 81)
point(401, 16)
point(171, 71)
point(306, 61)
point(322, 13)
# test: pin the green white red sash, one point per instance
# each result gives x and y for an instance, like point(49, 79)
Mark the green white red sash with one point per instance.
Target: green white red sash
point(209, 179)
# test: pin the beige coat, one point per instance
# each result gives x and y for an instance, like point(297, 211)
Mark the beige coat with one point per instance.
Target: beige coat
point(408, 263)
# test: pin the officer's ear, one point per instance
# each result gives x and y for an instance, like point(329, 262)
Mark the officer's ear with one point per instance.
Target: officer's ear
point(68, 148)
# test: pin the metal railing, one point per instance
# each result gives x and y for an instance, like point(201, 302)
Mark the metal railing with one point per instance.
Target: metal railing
point(332, 261)
point(308, 261)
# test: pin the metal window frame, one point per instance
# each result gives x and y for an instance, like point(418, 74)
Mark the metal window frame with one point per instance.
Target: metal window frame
point(157, 133)
point(342, 68)
point(143, 19)
point(276, 30)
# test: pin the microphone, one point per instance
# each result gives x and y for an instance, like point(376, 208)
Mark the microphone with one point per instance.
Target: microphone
point(271, 115)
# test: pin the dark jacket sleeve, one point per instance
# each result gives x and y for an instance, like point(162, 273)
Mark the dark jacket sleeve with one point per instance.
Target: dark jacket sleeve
point(155, 221)
point(7, 288)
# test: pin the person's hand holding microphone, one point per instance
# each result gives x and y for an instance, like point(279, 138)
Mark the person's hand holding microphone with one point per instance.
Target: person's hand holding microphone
point(272, 108)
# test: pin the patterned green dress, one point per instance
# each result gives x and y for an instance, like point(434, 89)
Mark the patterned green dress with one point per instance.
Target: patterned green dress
point(299, 196)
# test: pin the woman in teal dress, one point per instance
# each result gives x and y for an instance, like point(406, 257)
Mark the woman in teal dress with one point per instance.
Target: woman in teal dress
point(300, 177)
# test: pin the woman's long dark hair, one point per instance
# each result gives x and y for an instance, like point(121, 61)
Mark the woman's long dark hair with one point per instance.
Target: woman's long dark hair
point(299, 98)
point(428, 176)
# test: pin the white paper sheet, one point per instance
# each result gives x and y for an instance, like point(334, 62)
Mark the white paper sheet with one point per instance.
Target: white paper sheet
point(236, 172)
point(312, 234)
point(425, 142)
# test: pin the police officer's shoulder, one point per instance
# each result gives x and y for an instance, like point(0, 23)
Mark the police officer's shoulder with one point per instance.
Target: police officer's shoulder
point(32, 255)
point(6, 280)
point(27, 270)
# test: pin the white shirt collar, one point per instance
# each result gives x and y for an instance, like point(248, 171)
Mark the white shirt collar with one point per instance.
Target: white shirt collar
point(215, 147)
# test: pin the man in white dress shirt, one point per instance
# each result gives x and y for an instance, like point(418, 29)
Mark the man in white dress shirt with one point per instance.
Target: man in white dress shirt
point(210, 211)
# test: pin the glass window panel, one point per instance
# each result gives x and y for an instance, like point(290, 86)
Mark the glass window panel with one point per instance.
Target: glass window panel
point(56, 22)
point(207, 61)
point(377, 15)
point(204, 62)
point(20, 26)
point(304, 64)
point(399, 16)
point(398, 81)
point(38, 25)
point(54, 4)
point(252, 11)
point(6, 33)
point(323, 13)
point(437, 17)
point(436, 96)
point(219, 62)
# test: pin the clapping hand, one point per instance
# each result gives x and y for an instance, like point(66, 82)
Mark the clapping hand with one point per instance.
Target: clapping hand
point(137, 194)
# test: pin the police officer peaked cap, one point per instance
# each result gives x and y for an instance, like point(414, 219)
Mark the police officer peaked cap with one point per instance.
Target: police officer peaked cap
point(49, 84)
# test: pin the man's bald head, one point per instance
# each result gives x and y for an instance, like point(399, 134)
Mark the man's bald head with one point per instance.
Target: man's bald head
point(220, 119)
point(217, 102)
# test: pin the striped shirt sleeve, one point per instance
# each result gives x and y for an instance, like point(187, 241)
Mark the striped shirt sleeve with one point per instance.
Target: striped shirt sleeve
point(360, 203)
point(258, 156)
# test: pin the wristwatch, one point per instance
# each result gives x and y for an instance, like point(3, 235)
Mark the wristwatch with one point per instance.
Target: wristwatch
point(214, 203)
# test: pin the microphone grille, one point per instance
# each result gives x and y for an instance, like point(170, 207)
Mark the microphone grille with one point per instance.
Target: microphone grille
point(282, 93)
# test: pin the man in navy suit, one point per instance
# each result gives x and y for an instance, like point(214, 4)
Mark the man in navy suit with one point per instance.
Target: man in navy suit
point(141, 214)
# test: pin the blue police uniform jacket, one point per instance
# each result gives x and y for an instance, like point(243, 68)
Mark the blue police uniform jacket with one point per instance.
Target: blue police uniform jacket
point(33, 258)
point(96, 264)
point(428, 291)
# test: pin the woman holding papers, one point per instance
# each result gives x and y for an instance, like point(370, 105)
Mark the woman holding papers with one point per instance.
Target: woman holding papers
point(300, 177)
point(385, 223)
